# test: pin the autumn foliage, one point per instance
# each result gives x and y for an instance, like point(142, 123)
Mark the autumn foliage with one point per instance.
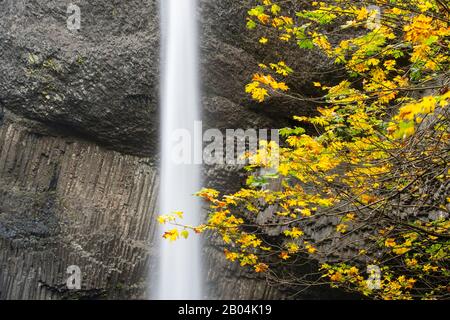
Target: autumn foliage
point(376, 166)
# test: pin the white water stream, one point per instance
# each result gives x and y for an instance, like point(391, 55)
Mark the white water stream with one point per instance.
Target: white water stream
point(179, 274)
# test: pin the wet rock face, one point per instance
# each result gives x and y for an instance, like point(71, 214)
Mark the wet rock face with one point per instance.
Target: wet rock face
point(68, 202)
point(100, 82)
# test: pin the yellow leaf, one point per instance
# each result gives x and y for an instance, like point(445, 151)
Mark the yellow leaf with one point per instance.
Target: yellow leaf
point(261, 267)
point(311, 249)
point(179, 214)
point(275, 9)
point(305, 212)
point(400, 251)
point(232, 256)
point(284, 255)
point(390, 242)
point(161, 219)
point(294, 233)
point(171, 235)
point(350, 216)
point(342, 228)
point(336, 277)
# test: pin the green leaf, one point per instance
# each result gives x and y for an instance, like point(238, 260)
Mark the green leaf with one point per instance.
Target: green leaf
point(318, 16)
point(251, 24)
point(286, 132)
point(305, 44)
point(256, 11)
point(185, 234)
point(256, 181)
point(431, 40)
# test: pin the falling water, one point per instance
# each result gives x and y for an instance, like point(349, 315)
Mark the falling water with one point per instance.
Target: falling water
point(179, 262)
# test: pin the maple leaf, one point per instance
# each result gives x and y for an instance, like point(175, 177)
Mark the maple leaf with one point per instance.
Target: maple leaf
point(284, 255)
point(171, 235)
point(261, 267)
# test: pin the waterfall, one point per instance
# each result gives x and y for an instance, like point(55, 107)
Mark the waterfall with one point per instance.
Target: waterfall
point(179, 262)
